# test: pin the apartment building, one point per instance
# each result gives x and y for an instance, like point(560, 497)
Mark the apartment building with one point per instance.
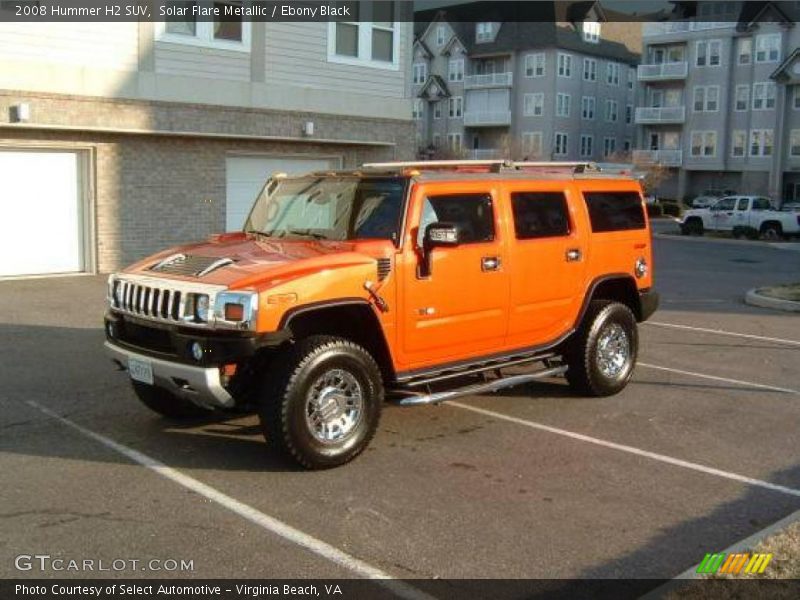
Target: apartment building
point(120, 139)
point(720, 100)
point(551, 90)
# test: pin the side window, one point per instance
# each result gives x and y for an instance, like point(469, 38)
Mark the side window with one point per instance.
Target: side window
point(742, 205)
point(725, 204)
point(539, 214)
point(761, 204)
point(472, 213)
point(615, 211)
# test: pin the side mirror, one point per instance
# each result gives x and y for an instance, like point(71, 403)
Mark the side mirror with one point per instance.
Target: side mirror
point(437, 235)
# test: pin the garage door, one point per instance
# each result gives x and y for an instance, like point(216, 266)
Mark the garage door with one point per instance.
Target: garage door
point(246, 175)
point(41, 222)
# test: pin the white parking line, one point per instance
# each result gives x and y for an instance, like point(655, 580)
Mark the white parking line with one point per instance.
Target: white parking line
point(716, 378)
point(630, 450)
point(723, 332)
point(287, 532)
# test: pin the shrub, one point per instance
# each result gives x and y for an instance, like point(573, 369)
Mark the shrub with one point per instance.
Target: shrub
point(654, 210)
point(671, 209)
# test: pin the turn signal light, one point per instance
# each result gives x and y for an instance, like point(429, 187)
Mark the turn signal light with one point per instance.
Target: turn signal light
point(234, 312)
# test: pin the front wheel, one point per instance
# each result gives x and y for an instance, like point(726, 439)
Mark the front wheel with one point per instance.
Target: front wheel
point(603, 352)
point(322, 401)
point(692, 226)
point(166, 403)
point(772, 232)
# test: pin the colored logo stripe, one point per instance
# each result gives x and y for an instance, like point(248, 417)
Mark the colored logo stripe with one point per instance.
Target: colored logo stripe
point(734, 563)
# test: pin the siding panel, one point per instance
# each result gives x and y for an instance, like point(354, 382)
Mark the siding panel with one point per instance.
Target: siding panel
point(212, 63)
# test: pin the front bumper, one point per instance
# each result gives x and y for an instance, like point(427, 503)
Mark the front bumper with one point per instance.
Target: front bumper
point(648, 303)
point(199, 385)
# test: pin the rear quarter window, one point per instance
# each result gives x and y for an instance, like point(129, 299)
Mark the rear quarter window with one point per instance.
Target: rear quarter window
point(615, 211)
point(539, 215)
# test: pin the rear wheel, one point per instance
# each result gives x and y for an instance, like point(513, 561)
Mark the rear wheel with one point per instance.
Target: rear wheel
point(603, 353)
point(167, 404)
point(322, 401)
point(693, 226)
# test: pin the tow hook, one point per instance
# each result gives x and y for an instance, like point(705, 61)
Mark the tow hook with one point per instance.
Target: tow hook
point(379, 302)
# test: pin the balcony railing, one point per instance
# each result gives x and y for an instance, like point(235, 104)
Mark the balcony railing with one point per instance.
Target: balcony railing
point(489, 80)
point(484, 153)
point(663, 71)
point(656, 115)
point(667, 158)
point(479, 118)
point(655, 29)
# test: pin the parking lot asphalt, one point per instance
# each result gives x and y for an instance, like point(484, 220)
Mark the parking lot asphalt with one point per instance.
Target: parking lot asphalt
point(698, 452)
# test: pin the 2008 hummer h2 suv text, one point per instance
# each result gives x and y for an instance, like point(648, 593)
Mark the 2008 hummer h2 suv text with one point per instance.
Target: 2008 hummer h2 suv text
point(414, 281)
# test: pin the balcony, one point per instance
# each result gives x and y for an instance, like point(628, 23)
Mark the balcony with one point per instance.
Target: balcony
point(488, 80)
point(492, 118)
point(651, 115)
point(667, 158)
point(485, 154)
point(656, 29)
point(663, 71)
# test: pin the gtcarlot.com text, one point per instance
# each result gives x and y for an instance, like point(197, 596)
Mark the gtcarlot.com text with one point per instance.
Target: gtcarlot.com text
point(46, 563)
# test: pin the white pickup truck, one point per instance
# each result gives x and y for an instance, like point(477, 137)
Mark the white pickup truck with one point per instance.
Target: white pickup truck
point(750, 216)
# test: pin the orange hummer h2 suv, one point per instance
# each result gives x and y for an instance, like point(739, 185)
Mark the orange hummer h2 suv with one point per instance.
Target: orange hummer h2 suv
point(413, 282)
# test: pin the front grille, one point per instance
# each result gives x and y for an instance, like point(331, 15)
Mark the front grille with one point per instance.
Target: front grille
point(149, 338)
point(384, 268)
point(149, 301)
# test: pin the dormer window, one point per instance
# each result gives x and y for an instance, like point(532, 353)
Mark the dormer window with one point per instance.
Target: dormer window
point(483, 32)
point(591, 32)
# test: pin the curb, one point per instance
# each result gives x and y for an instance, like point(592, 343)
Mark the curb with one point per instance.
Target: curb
point(790, 246)
point(754, 297)
point(679, 581)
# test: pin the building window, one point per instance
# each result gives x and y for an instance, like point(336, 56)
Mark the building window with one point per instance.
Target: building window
point(228, 32)
point(761, 142)
point(589, 69)
point(708, 53)
point(420, 72)
point(366, 43)
point(532, 144)
point(629, 114)
point(587, 141)
point(591, 32)
point(587, 108)
point(534, 65)
point(456, 108)
point(796, 97)
point(563, 105)
point(742, 97)
point(437, 110)
point(631, 77)
point(794, 142)
point(441, 30)
point(417, 110)
point(738, 143)
point(612, 73)
point(744, 52)
point(533, 105)
point(561, 144)
point(612, 111)
point(626, 145)
point(704, 144)
point(437, 140)
point(768, 47)
point(706, 98)
point(564, 65)
point(609, 146)
point(455, 70)
point(483, 32)
point(454, 142)
point(764, 95)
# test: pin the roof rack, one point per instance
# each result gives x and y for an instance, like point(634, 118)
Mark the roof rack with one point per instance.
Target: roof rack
point(497, 166)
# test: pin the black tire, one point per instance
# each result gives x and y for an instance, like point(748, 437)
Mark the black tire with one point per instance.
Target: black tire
point(771, 231)
point(167, 404)
point(587, 373)
point(338, 372)
point(692, 226)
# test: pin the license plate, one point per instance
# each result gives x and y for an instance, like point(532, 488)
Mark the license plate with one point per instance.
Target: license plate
point(140, 370)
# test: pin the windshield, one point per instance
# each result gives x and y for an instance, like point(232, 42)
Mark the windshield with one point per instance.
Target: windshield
point(330, 208)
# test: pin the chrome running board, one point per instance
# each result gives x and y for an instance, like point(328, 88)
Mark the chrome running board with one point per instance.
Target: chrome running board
point(480, 388)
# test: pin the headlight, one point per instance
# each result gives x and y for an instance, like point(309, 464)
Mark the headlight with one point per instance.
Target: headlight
point(236, 310)
point(201, 306)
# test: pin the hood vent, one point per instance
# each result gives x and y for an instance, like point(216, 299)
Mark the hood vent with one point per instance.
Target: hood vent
point(190, 266)
point(384, 268)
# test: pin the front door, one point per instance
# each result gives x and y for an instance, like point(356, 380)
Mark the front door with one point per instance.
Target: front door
point(460, 309)
point(722, 214)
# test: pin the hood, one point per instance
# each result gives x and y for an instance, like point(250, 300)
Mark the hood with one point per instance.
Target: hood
point(239, 260)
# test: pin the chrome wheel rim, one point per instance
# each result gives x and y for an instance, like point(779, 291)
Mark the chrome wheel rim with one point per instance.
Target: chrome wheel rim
point(334, 406)
point(613, 350)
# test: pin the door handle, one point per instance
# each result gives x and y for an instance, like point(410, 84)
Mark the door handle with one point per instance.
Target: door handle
point(490, 263)
point(573, 255)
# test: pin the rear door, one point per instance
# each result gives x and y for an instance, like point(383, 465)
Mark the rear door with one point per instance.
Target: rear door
point(547, 253)
point(460, 310)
